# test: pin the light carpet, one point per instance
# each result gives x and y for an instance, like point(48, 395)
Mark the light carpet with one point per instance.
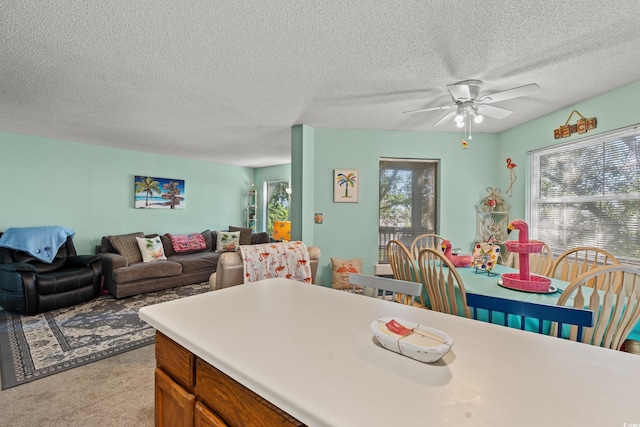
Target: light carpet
point(33, 347)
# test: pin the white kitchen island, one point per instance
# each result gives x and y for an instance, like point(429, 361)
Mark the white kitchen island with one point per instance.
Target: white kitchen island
point(309, 351)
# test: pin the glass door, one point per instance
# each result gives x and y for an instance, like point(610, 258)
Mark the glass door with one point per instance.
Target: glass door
point(277, 203)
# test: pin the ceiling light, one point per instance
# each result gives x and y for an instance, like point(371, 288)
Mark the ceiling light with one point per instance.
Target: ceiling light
point(459, 118)
point(460, 123)
point(478, 118)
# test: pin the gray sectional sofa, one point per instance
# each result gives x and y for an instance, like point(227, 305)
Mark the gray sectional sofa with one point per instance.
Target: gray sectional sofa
point(125, 274)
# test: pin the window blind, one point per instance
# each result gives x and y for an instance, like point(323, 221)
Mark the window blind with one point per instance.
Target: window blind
point(587, 193)
point(408, 201)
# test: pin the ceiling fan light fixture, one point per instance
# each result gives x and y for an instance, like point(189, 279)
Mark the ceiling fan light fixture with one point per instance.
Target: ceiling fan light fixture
point(467, 100)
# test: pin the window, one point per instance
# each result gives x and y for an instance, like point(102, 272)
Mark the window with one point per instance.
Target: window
point(587, 193)
point(276, 203)
point(408, 202)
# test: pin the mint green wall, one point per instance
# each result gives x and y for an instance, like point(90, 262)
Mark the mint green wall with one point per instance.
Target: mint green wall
point(613, 110)
point(270, 173)
point(90, 189)
point(350, 230)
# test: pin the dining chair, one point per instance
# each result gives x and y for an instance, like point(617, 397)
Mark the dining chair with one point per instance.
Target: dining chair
point(424, 241)
point(539, 263)
point(443, 285)
point(576, 261)
point(581, 318)
point(615, 303)
point(402, 262)
point(403, 265)
point(385, 288)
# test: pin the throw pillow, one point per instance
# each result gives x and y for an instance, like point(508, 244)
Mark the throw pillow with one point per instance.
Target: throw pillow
point(245, 234)
point(260, 237)
point(228, 241)
point(207, 239)
point(151, 248)
point(127, 246)
point(166, 244)
point(341, 268)
point(192, 242)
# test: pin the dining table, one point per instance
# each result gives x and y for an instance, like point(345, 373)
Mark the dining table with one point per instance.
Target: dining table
point(480, 282)
point(310, 351)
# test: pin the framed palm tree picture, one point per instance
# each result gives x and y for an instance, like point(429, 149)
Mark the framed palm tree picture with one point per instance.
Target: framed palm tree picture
point(159, 193)
point(346, 185)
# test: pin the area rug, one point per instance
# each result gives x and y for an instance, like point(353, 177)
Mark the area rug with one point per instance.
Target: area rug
point(33, 347)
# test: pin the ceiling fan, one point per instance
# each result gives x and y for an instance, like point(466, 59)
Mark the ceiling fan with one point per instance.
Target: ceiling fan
point(467, 104)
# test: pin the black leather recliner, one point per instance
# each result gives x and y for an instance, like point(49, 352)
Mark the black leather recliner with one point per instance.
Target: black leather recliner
point(30, 286)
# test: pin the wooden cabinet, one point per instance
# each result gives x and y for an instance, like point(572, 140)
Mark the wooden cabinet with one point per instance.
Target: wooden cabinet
point(176, 361)
point(205, 417)
point(174, 405)
point(191, 392)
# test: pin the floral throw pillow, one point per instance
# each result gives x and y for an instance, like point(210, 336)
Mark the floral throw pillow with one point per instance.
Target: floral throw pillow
point(183, 243)
point(151, 248)
point(228, 241)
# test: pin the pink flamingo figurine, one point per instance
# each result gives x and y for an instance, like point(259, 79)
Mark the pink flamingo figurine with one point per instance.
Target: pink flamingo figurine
point(456, 260)
point(523, 237)
point(512, 176)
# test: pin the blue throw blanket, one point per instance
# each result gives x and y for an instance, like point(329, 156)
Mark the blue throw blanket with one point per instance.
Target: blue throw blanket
point(41, 242)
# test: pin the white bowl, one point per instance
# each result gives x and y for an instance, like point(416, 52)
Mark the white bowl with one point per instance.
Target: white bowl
point(423, 343)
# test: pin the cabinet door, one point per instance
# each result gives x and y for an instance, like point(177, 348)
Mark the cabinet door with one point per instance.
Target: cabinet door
point(206, 418)
point(174, 405)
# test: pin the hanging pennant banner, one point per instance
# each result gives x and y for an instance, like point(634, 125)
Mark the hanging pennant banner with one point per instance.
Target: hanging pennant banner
point(582, 125)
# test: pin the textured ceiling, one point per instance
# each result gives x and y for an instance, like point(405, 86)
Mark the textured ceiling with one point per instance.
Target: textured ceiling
point(225, 80)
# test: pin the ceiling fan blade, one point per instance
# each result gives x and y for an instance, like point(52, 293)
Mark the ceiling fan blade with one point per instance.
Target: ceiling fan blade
point(515, 92)
point(445, 118)
point(460, 92)
point(446, 107)
point(493, 111)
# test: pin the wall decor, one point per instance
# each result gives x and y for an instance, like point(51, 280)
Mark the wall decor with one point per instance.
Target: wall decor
point(582, 125)
point(159, 193)
point(346, 185)
point(512, 176)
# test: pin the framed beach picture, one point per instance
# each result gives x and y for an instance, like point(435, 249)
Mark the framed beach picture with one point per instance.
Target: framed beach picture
point(159, 193)
point(346, 185)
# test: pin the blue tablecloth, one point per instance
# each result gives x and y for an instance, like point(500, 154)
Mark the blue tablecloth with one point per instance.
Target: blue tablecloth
point(481, 283)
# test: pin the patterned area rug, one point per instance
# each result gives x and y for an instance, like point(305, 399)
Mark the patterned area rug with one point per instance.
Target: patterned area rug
point(33, 347)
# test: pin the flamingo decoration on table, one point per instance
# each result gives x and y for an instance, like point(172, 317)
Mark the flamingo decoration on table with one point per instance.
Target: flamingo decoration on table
point(456, 260)
point(523, 237)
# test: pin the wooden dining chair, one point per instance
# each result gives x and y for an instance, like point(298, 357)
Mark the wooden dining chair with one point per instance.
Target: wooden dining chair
point(402, 262)
point(576, 261)
point(539, 263)
point(425, 241)
point(615, 303)
point(384, 288)
point(443, 285)
point(403, 266)
point(581, 318)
